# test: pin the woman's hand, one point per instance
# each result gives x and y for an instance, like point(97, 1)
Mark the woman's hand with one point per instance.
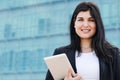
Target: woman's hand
point(70, 77)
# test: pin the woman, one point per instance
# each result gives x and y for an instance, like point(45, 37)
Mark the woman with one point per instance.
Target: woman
point(90, 55)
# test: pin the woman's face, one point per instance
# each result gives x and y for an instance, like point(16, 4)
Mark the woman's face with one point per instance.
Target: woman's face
point(85, 25)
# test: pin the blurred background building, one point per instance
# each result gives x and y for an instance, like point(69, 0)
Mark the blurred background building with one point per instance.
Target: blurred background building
point(32, 29)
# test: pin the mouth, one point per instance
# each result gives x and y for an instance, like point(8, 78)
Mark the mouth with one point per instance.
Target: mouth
point(85, 30)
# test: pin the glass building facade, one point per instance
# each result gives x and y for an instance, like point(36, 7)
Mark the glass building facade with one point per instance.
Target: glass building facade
point(31, 29)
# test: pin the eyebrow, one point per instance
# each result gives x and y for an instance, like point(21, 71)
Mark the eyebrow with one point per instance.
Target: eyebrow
point(82, 17)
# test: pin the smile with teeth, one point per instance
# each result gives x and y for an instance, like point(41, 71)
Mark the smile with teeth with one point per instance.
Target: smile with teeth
point(85, 30)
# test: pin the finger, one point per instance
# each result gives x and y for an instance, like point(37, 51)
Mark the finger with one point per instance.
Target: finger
point(78, 78)
point(75, 75)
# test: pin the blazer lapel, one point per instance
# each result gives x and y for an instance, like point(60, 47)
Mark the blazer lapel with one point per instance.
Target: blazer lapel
point(71, 57)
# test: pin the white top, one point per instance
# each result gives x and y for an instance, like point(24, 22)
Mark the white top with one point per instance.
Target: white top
point(87, 65)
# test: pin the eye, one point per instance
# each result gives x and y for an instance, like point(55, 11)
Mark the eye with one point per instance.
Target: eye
point(92, 19)
point(79, 19)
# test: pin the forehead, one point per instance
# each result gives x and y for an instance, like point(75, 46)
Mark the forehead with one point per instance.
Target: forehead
point(84, 14)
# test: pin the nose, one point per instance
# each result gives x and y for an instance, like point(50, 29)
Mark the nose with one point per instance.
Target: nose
point(85, 24)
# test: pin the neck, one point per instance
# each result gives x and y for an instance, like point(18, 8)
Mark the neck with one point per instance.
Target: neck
point(86, 45)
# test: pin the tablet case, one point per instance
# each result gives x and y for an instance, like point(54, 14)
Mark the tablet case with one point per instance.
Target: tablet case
point(58, 66)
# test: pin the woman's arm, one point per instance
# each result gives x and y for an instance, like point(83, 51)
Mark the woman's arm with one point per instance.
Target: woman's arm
point(49, 76)
point(117, 64)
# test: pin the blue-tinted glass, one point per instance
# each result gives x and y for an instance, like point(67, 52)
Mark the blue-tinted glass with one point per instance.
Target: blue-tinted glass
point(31, 29)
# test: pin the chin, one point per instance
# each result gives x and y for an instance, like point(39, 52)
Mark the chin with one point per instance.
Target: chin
point(85, 37)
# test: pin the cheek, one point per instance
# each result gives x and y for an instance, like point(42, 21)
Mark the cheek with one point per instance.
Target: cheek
point(77, 30)
point(93, 26)
point(94, 30)
point(78, 24)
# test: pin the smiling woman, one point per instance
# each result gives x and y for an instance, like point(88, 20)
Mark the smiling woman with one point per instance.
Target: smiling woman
point(85, 25)
point(90, 54)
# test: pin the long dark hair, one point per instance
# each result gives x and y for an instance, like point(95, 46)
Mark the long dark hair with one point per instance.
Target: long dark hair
point(99, 43)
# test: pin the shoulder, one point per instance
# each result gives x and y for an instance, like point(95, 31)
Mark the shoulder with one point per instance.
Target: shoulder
point(116, 55)
point(116, 58)
point(63, 49)
point(115, 51)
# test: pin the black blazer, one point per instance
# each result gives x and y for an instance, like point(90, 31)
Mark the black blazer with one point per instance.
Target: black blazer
point(108, 71)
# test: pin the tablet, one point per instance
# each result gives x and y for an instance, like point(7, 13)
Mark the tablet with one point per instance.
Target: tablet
point(58, 66)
